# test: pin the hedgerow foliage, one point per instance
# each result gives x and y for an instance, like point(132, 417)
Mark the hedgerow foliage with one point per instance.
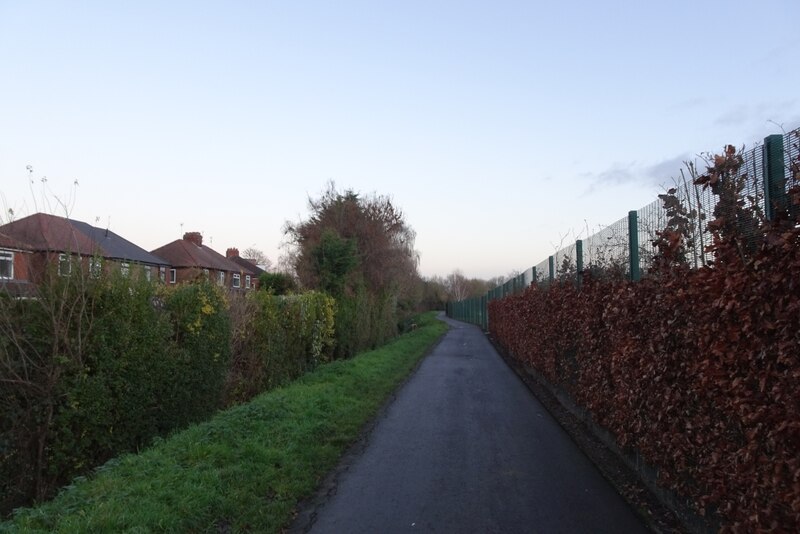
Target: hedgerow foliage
point(360, 250)
point(276, 339)
point(697, 369)
point(92, 367)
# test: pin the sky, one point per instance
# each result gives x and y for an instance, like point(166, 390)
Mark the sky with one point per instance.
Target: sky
point(501, 129)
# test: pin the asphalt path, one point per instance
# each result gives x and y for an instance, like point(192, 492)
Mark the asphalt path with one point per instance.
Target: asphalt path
point(465, 447)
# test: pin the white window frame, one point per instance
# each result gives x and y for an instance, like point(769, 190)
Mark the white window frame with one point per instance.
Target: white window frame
point(95, 267)
point(173, 276)
point(64, 259)
point(221, 278)
point(162, 273)
point(237, 280)
point(148, 273)
point(7, 255)
point(125, 269)
point(205, 273)
point(247, 281)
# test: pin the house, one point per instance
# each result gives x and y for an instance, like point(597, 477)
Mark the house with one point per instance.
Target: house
point(15, 262)
point(65, 244)
point(191, 259)
point(249, 280)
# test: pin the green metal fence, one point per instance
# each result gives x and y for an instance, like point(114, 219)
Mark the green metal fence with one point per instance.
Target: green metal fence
point(627, 245)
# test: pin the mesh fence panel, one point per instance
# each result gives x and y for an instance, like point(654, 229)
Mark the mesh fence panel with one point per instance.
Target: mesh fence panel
point(542, 271)
point(565, 263)
point(791, 157)
point(651, 220)
point(608, 250)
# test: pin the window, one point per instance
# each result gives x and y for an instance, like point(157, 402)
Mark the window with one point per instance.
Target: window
point(222, 278)
point(95, 267)
point(173, 276)
point(205, 273)
point(64, 265)
point(125, 268)
point(162, 273)
point(147, 273)
point(247, 281)
point(6, 264)
point(237, 280)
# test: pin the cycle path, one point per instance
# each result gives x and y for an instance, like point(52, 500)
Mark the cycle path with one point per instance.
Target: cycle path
point(465, 447)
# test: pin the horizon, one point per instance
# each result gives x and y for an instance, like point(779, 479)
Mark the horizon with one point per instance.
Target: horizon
point(499, 131)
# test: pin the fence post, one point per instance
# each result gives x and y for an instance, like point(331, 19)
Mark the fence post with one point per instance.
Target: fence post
point(485, 307)
point(633, 245)
point(579, 261)
point(551, 263)
point(775, 199)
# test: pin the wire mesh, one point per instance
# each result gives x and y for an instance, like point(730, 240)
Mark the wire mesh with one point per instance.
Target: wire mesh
point(791, 157)
point(542, 271)
point(607, 250)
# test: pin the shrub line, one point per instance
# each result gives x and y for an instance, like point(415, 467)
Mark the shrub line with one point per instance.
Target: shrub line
point(248, 467)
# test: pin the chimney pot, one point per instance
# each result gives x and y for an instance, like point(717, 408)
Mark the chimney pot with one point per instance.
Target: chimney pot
point(232, 253)
point(194, 237)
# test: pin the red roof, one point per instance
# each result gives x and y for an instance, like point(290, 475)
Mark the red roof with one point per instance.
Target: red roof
point(8, 242)
point(42, 232)
point(185, 253)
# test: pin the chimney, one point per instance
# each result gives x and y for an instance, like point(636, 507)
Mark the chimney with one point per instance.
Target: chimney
point(232, 253)
point(194, 237)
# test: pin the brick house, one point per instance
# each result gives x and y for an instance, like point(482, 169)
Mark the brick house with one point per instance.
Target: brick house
point(65, 245)
point(15, 262)
point(250, 271)
point(191, 259)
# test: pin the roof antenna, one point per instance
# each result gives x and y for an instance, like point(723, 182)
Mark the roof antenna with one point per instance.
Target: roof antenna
point(181, 230)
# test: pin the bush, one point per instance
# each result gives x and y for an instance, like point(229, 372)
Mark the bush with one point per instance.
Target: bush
point(277, 283)
point(95, 367)
point(695, 369)
point(276, 339)
point(363, 321)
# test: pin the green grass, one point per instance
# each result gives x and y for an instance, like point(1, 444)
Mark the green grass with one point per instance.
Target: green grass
point(247, 468)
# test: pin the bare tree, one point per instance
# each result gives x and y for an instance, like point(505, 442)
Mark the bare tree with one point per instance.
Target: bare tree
point(258, 257)
point(456, 286)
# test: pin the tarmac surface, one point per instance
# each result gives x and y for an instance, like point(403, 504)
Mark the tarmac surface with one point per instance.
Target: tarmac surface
point(465, 447)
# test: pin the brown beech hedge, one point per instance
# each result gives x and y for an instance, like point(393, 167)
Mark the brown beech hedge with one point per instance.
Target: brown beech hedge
point(697, 369)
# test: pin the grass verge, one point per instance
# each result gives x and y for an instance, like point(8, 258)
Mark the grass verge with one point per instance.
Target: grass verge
point(245, 469)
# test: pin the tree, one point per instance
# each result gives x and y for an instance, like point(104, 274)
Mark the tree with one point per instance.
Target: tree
point(433, 293)
point(456, 286)
point(258, 257)
point(360, 250)
point(353, 239)
point(277, 283)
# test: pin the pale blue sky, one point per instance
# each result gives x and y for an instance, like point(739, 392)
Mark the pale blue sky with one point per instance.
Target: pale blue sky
point(499, 127)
